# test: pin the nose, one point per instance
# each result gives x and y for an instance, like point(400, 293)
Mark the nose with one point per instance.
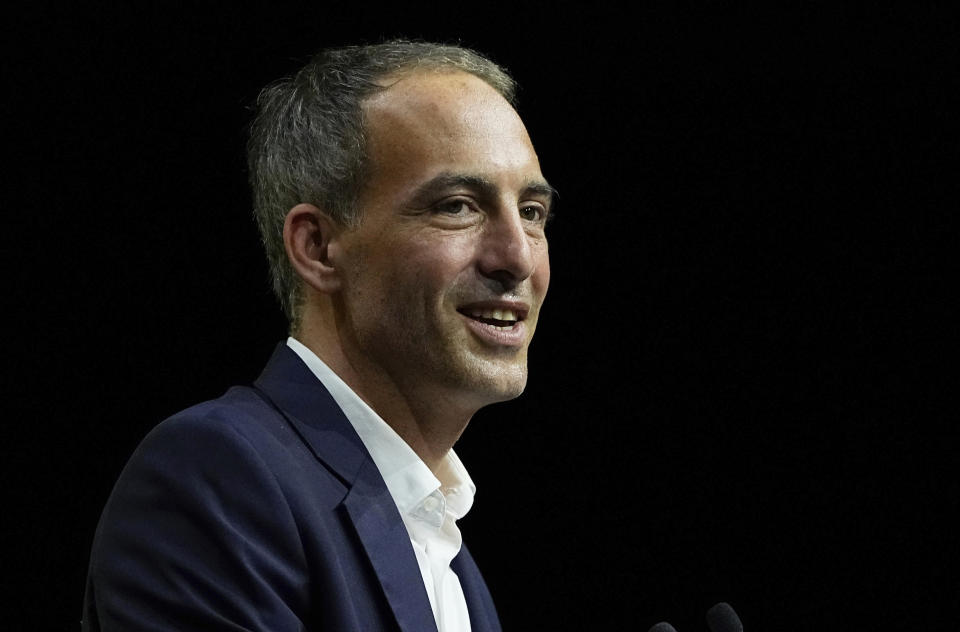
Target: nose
point(506, 250)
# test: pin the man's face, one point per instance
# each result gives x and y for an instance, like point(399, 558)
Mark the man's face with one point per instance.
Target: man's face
point(449, 266)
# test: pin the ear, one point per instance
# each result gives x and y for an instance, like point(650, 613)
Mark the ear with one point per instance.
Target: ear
point(307, 233)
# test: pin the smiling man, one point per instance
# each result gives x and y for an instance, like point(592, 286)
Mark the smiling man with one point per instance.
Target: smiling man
point(403, 210)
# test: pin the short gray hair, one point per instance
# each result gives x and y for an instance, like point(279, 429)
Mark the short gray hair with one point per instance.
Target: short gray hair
point(307, 141)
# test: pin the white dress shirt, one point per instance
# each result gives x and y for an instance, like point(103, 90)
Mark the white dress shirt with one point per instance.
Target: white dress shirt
point(429, 504)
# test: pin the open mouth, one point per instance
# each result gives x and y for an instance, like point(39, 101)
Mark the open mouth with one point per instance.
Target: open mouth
point(498, 318)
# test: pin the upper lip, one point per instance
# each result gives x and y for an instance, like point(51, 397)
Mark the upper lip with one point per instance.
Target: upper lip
point(520, 308)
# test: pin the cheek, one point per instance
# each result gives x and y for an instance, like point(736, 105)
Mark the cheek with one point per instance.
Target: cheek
point(436, 266)
point(417, 285)
point(541, 276)
point(423, 273)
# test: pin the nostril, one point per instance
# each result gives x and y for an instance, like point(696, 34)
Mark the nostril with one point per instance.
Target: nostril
point(504, 278)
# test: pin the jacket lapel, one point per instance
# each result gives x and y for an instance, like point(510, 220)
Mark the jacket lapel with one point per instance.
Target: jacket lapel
point(314, 415)
point(483, 614)
point(387, 544)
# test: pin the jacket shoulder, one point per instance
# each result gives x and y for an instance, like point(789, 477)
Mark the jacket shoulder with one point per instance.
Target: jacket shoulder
point(208, 514)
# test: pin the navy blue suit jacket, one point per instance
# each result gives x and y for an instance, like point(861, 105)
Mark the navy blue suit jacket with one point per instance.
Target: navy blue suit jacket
point(261, 510)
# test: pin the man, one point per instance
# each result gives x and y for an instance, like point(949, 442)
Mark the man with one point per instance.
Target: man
point(403, 209)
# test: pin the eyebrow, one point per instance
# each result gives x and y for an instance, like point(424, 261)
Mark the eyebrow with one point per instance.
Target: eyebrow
point(484, 186)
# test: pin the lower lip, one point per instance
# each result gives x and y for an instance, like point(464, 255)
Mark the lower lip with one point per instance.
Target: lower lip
point(515, 336)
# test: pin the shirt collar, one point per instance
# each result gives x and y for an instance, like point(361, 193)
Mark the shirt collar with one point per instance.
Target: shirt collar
point(407, 477)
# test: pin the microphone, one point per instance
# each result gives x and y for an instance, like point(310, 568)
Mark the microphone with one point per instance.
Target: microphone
point(722, 618)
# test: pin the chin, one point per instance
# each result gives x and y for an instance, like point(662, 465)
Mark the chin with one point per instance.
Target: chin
point(500, 384)
point(482, 378)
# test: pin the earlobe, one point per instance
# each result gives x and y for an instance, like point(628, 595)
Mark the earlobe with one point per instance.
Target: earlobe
point(307, 235)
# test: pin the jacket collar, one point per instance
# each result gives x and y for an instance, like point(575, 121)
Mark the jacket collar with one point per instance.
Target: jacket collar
point(293, 389)
point(301, 397)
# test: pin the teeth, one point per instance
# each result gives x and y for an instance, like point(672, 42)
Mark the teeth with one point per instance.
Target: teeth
point(495, 314)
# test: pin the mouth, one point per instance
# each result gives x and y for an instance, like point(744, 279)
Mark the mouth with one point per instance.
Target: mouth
point(498, 317)
point(497, 323)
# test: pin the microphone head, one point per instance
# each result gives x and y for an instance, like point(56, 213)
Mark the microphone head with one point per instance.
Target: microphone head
point(722, 618)
point(663, 626)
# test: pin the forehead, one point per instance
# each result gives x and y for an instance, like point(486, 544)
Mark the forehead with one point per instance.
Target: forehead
point(445, 117)
point(443, 96)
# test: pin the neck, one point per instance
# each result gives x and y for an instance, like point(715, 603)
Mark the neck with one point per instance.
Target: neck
point(429, 420)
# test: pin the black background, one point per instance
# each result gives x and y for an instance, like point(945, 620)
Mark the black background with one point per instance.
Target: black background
point(743, 384)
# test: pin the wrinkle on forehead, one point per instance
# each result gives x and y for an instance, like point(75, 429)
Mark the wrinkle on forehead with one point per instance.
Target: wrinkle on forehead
point(428, 123)
point(452, 103)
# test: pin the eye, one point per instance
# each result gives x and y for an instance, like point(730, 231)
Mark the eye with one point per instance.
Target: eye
point(455, 206)
point(532, 212)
